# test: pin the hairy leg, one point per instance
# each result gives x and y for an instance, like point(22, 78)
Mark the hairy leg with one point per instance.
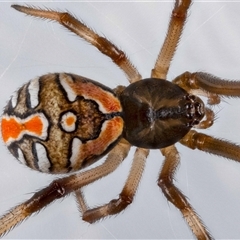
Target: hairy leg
point(125, 197)
point(208, 85)
point(174, 195)
point(212, 145)
point(101, 43)
point(61, 187)
point(175, 28)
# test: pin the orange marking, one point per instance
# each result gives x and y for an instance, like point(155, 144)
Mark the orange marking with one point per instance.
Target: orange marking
point(110, 134)
point(12, 128)
point(34, 125)
point(112, 131)
point(91, 91)
point(70, 121)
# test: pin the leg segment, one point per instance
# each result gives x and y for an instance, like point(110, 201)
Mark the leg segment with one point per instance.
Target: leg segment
point(212, 145)
point(101, 43)
point(173, 194)
point(62, 187)
point(82, 204)
point(207, 121)
point(177, 21)
point(126, 196)
point(208, 85)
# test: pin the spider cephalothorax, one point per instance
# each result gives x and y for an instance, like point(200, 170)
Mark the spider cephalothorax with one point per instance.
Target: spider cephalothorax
point(163, 117)
point(61, 123)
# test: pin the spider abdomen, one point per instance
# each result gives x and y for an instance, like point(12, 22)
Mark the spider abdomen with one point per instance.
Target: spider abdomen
point(158, 113)
point(61, 122)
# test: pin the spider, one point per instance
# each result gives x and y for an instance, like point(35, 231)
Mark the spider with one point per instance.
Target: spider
point(123, 94)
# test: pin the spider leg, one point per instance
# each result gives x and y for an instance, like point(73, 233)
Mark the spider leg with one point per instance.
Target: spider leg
point(205, 84)
point(208, 119)
point(212, 145)
point(125, 197)
point(82, 204)
point(175, 28)
point(101, 43)
point(174, 195)
point(60, 188)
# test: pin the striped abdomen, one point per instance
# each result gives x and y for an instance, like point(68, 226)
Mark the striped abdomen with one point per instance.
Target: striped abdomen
point(61, 122)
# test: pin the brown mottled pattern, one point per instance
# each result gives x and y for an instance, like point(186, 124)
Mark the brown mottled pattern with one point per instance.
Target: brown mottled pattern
point(53, 102)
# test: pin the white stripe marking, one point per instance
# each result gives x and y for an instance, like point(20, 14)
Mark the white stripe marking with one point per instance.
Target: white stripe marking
point(14, 99)
point(33, 89)
point(76, 149)
point(43, 161)
point(64, 79)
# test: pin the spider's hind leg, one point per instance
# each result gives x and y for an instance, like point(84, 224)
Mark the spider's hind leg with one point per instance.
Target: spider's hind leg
point(61, 187)
point(126, 196)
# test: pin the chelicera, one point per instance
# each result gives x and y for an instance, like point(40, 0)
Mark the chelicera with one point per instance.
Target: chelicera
point(79, 121)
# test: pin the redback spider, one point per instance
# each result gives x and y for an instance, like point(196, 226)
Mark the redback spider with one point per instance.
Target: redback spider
point(197, 65)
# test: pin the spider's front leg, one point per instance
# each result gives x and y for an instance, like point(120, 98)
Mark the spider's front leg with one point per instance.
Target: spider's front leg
point(174, 195)
point(213, 88)
point(209, 144)
point(175, 28)
point(208, 85)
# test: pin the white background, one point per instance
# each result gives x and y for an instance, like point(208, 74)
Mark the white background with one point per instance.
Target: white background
point(211, 43)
